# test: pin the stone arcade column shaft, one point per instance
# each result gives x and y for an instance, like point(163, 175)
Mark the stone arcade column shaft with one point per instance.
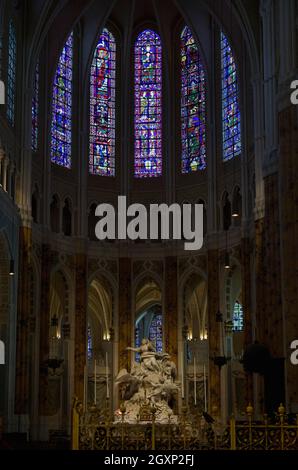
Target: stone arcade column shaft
point(171, 308)
point(80, 324)
point(44, 328)
point(213, 333)
point(24, 306)
point(125, 318)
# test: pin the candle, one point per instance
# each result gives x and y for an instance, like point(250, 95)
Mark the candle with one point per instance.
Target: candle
point(182, 374)
point(195, 378)
point(205, 388)
point(107, 375)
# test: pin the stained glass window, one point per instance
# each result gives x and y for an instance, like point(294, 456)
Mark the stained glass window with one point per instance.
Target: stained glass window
point(238, 322)
point(148, 106)
point(155, 332)
point(193, 105)
point(102, 107)
point(11, 73)
point(34, 110)
point(89, 342)
point(61, 107)
point(231, 126)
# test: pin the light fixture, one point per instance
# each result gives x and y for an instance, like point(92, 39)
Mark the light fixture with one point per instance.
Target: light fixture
point(227, 260)
point(54, 362)
point(11, 267)
point(235, 205)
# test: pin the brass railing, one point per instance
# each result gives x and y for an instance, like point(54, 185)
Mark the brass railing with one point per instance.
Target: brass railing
point(97, 431)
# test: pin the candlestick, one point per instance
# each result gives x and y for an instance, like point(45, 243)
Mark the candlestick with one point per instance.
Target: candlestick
point(107, 375)
point(182, 374)
point(205, 389)
point(95, 381)
point(195, 378)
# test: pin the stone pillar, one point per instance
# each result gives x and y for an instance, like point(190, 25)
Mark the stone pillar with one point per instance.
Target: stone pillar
point(272, 276)
point(289, 247)
point(247, 308)
point(2, 156)
point(5, 163)
point(213, 330)
point(44, 328)
point(171, 308)
point(81, 303)
point(125, 314)
point(23, 315)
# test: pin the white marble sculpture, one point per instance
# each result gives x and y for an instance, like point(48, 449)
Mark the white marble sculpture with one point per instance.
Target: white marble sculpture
point(150, 382)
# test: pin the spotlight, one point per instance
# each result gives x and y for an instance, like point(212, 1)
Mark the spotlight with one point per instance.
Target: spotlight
point(227, 260)
point(11, 267)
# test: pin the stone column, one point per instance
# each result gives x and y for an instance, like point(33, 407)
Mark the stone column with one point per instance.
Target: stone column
point(80, 324)
point(213, 330)
point(171, 308)
point(23, 316)
point(5, 163)
point(247, 308)
point(2, 156)
point(289, 247)
point(44, 328)
point(125, 314)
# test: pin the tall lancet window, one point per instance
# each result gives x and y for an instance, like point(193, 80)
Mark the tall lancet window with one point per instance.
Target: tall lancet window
point(102, 107)
point(231, 122)
point(62, 106)
point(11, 73)
point(148, 105)
point(193, 105)
point(34, 110)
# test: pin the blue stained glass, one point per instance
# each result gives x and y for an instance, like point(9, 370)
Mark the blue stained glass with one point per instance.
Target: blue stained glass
point(11, 73)
point(89, 343)
point(62, 107)
point(193, 105)
point(102, 107)
point(155, 332)
point(238, 322)
point(148, 105)
point(231, 120)
point(34, 110)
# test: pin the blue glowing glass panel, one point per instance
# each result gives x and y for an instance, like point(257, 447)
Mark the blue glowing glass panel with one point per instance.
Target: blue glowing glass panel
point(102, 107)
point(193, 105)
point(231, 119)
point(148, 105)
point(62, 107)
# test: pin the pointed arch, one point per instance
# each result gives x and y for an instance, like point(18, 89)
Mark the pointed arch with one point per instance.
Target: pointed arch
point(102, 106)
point(61, 126)
point(148, 105)
point(193, 104)
point(231, 119)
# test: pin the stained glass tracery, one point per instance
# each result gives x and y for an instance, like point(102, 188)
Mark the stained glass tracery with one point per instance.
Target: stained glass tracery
point(62, 107)
point(193, 105)
point(148, 105)
point(34, 110)
point(11, 73)
point(102, 107)
point(231, 125)
point(238, 322)
point(155, 332)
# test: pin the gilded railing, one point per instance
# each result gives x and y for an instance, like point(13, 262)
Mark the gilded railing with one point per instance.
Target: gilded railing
point(93, 430)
